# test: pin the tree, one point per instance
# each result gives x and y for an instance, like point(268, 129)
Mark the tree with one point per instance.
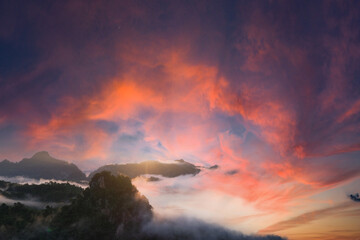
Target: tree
point(110, 208)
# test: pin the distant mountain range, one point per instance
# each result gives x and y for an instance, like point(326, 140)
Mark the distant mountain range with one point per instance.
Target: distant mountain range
point(42, 165)
point(133, 170)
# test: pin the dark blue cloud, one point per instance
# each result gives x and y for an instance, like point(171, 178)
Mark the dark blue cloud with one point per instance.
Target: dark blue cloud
point(355, 197)
point(108, 126)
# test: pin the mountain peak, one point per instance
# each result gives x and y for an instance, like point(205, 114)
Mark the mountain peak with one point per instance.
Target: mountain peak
point(42, 165)
point(41, 155)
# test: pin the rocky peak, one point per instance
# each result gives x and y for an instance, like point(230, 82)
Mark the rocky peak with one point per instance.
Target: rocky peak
point(41, 155)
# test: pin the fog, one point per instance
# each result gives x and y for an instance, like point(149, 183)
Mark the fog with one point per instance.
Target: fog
point(25, 180)
point(189, 228)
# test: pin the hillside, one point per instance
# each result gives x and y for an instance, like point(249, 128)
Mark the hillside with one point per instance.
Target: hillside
point(48, 192)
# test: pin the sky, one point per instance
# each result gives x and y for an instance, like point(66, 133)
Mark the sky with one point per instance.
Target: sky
point(267, 90)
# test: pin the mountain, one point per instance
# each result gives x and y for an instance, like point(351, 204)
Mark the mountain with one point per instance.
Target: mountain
point(133, 170)
point(110, 208)
point(42, 165)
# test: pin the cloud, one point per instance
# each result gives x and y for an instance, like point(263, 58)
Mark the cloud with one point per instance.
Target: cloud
point(355, 197)
point(185, 228)
point(25, 180)
point(31, 202)
point(231, 172)
point(340, 209)
point(265, 88)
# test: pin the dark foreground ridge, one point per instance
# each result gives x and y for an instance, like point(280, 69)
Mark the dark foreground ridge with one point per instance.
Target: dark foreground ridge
point(110, 208)
point(50, 192)
point(133, 170)
point(42, 165)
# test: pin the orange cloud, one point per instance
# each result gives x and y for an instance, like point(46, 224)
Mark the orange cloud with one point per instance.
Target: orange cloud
point(175, 98)
point(342, 210)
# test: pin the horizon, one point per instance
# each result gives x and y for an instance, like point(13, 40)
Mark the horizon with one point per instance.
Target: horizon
point(100, 164)
point(269, 91)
